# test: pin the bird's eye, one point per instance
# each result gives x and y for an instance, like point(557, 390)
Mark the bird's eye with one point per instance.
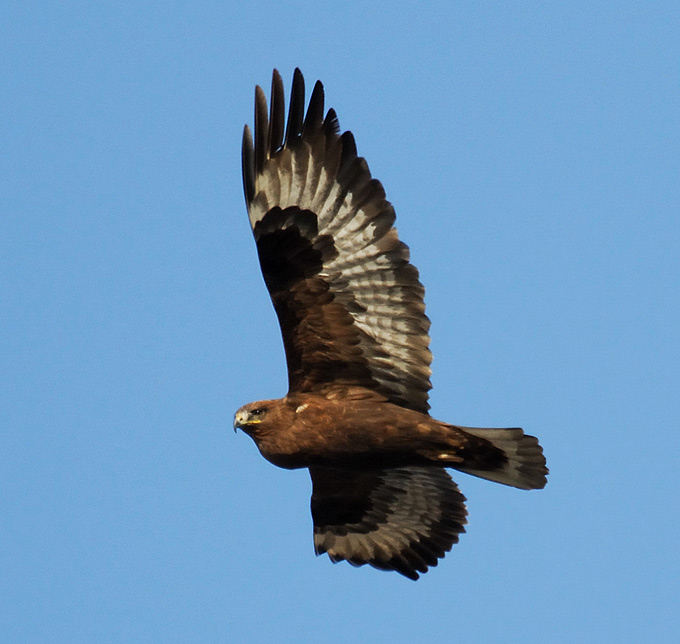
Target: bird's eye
point(258, 413)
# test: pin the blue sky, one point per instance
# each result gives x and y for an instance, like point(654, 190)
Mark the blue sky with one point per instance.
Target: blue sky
point(532, 153)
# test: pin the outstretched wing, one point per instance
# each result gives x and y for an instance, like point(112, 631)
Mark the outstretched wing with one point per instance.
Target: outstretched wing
point(349, 303)
point(402, 519)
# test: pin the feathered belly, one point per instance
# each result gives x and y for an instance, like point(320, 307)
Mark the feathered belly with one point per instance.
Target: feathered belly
point(352, 444)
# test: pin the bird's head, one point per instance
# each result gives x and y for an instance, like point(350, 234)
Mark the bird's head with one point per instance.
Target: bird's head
point(252, 416)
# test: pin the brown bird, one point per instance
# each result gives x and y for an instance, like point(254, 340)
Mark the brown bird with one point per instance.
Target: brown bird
point(352, 317)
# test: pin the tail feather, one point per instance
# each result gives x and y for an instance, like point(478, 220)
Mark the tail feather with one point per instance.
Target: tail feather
point(523, 465)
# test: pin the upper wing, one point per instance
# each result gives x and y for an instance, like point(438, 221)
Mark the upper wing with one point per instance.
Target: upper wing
point(402, 519)
point(349, 303)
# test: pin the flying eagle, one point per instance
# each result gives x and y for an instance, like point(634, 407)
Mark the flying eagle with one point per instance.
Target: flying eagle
point(352, 317)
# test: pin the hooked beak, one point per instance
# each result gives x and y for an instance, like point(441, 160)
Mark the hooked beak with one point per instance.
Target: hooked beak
point(239, 420)
point(244, 421)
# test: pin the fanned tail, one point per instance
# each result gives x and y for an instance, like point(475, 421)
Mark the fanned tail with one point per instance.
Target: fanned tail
point(506, 456)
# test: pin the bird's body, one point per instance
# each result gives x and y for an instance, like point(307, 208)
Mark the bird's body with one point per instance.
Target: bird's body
point(322, 431)
point(356, 428)
point(350, 306)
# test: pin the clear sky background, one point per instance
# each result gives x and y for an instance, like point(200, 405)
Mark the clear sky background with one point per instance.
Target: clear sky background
point(532, 153)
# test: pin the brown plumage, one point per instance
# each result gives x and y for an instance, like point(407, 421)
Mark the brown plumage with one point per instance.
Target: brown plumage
point(352, 317)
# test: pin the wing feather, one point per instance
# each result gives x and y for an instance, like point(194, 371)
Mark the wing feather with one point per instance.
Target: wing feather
point(350, 303)
point(402, 519)
point(296, 111)
point(248, 164)
point(276, 114)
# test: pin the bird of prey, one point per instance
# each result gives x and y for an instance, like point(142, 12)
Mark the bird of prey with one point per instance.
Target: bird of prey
point(350, 307)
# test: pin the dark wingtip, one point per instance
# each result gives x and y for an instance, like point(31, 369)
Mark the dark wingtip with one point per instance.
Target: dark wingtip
point(261, 129)
point(349, 151)
point(331, 124)
point(276, 114)
point(248, 165)
point(272, 132)
point(314, 116)
point(296, 111)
